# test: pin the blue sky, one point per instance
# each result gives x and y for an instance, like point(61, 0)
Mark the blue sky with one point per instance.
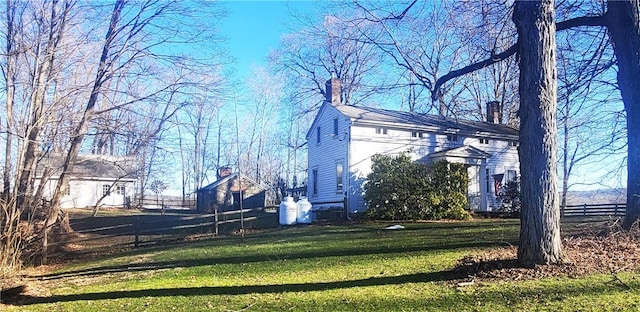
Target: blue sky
point(253, 28)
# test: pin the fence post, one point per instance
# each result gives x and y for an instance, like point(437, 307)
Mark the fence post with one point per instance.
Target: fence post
point(137, 232)
point(584, 210)
point(215, 219)
point(615, 211)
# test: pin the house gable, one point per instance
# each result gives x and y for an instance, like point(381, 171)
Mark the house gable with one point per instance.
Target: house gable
point(326, 129)
point(328, 156)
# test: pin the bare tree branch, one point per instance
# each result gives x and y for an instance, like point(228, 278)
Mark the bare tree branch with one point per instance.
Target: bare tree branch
point(494, 58)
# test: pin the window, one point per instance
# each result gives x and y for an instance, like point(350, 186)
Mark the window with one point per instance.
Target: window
point(106, 190)
point(381, 131)
point(452, 137)
point(318, 135)
point(514, 143)
point(120, 190)
point(335, 126)
point(511, 175)
point(484, 141)
point(314, 178)
point(339, 170)
point(488, 180)
point(416, 134)
point(68, 191)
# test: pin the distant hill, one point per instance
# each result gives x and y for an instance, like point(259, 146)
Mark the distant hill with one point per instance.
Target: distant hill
point(603, 196)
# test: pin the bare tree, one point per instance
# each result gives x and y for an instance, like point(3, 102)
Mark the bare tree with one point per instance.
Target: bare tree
point(422, 42)
point(9, 73)
point(591, 127)
point(488, 27)
point(196, 125)
point(318, 51)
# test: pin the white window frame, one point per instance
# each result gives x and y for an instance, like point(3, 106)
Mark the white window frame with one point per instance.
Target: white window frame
point(382, 131)
point(120, 189)
point(106, 190)
point(314, 182)
point(339, 176)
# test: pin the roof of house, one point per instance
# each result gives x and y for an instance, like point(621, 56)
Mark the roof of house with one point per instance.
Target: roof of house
point(463, 152)
point(227, 178)
point(409, 119)
point(415, 121)
point(92, 166)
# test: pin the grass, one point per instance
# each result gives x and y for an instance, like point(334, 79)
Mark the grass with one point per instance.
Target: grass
point(322, 268)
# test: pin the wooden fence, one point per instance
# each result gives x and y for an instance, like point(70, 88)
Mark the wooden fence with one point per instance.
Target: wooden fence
point(164, 202)
point(206, 222)
point(594, 210)
point(138, 229)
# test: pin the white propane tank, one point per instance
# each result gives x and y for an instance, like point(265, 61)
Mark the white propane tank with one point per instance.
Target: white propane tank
point(288, 211)
point(304, 211)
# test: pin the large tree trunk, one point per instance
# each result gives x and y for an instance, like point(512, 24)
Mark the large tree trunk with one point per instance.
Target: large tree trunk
point(540, 216)
point(624, 29)
point(10, 77)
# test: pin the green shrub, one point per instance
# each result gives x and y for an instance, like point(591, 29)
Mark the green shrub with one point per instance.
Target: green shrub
point(401, 189)
point(510, 196)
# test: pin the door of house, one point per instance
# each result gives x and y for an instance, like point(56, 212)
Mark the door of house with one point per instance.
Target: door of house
point(473, 191)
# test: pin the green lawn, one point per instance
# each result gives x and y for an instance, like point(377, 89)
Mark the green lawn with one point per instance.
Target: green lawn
point(323, 268)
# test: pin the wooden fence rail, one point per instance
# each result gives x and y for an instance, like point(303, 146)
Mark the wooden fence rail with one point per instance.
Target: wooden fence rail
point(594, 210)
point(166, 225)
point(178, 224)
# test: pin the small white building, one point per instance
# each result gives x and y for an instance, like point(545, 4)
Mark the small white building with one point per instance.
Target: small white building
point(103, 180)
point(343, 138)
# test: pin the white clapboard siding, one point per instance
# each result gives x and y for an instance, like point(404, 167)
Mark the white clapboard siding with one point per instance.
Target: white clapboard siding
point(324, 155)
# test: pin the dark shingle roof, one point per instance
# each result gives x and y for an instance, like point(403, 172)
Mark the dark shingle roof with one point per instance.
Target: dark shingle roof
point(227, 178)
point(92, 166)
point(413, 120)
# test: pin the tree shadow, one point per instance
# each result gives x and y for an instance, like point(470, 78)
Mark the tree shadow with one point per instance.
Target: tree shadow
point(238, 290)
point(256, 258)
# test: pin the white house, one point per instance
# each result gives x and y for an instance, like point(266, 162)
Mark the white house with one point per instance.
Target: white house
point(343, 138)
point(108, 181)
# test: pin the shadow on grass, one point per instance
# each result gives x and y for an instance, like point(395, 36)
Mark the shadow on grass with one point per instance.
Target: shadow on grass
point(360, 251)
point(531, 296)
point(239, 290)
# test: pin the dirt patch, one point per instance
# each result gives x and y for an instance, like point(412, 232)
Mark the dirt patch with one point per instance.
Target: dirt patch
point(604, 248)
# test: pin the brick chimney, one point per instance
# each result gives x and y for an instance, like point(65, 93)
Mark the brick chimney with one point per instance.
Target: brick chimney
point(333, 91)
point(224, 172)
point(493, 112)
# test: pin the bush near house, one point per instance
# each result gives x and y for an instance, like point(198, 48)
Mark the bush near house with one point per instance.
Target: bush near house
point(402, 189)
point(510, 196)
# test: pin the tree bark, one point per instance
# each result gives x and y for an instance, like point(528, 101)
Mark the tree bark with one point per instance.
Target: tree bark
point(540, 216)
point(624, 31)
